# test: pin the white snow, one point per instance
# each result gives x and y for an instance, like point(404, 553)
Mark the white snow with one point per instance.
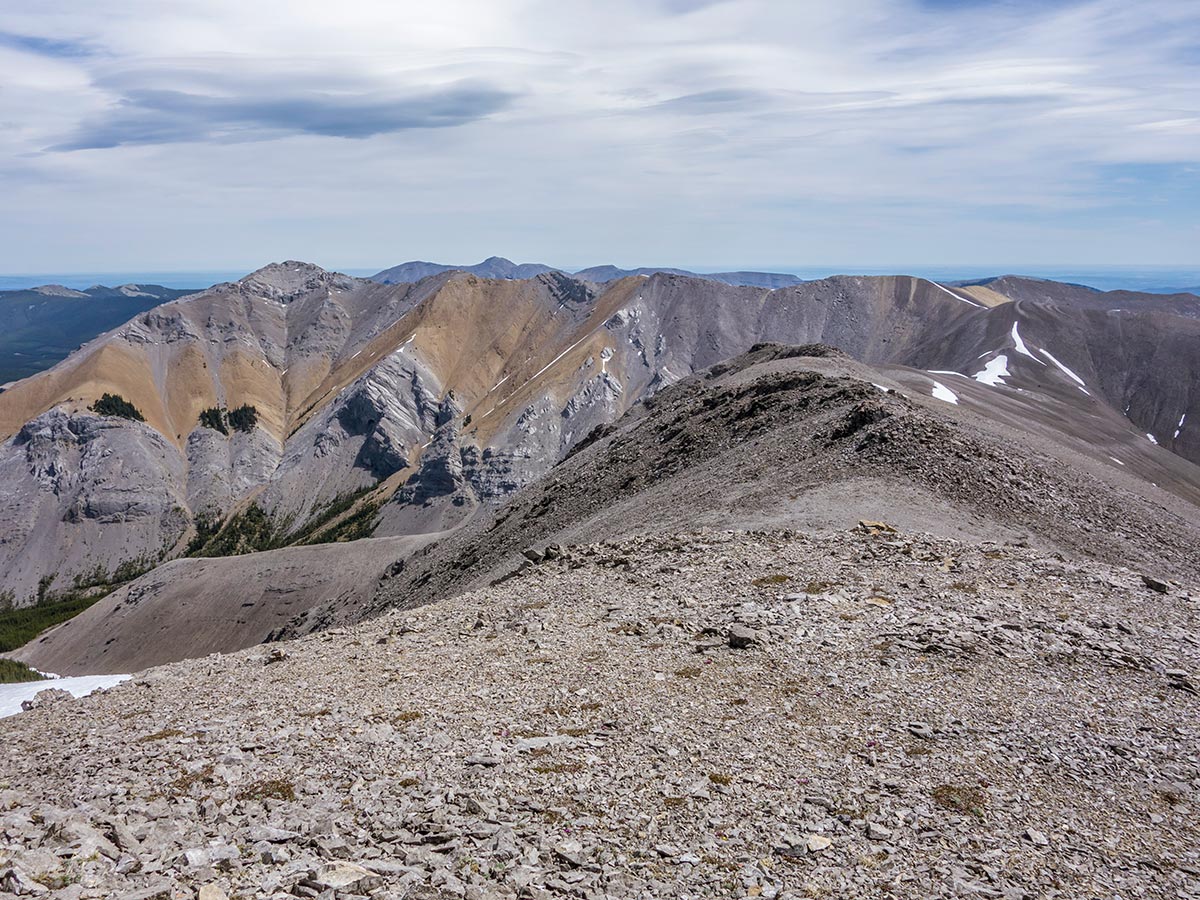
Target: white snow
point(1179, 427)
point(557, 358)
point(1020, 345)
point(994, 372)
point(956, 296)
point(12, 695)
point(946, 372)
point(880, 386)
point(941, 392)
point(1117, 461)
point(1079, 381)
point(1151, 438)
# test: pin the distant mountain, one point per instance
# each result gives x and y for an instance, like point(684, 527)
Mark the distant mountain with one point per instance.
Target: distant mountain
point(499, 267)
point(492, 267)
point(773, 280)
point(43, 325)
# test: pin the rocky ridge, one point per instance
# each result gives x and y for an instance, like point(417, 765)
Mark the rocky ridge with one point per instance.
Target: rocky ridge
point(769, 714)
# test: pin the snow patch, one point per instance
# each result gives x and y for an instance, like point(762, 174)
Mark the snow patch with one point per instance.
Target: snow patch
point(946, 290)
point(1117, 461)
point(1179, 427)
point(994, 372)
point(1151, 438)
point(941, 392)
point(1078, 381)
point(1020, 345)
point(12, 695)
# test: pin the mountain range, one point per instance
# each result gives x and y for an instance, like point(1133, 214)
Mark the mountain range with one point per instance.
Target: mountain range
point(499, 267)
point(528, 587)
point(42, 325)
point(414, 412)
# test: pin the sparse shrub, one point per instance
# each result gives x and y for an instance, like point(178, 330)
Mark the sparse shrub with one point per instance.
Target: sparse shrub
point(160, 735)
point(770, 580)
point(960, 798)
point(244, 418)
point(269, 789)
point(207, 525)
point(116, 405)
point(248, 532)
point(214, 418)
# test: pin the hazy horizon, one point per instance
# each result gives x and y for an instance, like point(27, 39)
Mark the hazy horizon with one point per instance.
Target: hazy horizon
point(1154, 279)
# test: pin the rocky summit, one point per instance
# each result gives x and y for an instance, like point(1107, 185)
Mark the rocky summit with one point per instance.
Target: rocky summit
point(871, 713)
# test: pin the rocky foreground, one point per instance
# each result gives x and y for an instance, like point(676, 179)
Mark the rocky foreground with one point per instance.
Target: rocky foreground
point(767, 715)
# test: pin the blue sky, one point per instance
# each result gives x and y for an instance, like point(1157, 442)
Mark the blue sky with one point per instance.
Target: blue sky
point(205, 134)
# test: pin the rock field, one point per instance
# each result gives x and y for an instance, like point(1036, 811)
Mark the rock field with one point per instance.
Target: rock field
point(765, 714)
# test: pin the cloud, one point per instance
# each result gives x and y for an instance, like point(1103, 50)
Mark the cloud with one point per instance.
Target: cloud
point(736, 133)
point(148, 116)
point(45, 46)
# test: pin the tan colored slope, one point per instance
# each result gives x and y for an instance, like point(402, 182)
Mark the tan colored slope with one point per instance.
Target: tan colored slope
point(549, 366)
point(111, 367)
point(983, 294)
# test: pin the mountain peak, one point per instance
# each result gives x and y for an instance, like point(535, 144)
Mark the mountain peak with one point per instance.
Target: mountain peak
point(284, 280)
point(57, 290)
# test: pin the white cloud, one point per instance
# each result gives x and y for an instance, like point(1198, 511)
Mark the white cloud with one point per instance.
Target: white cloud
point(742, 132)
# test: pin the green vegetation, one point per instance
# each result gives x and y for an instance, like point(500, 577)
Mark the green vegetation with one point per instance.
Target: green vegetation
point(244, 418)
point(249, 531)
point(252, 530)
point(214, 418)
point(207, 525)
point(99, 577)
point(19, 626)
point(359, 524)
point(12, 672)
point(311, 533)
point(116, 405)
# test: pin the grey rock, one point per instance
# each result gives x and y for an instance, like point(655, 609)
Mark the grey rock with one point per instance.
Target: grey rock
point(741, 636)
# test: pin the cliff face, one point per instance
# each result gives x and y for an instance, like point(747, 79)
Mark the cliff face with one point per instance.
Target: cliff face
point(430, 399)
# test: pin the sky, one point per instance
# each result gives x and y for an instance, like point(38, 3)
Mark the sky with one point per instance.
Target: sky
point(220, 134)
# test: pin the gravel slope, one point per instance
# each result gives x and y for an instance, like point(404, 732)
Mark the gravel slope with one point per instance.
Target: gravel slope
point(901, 717)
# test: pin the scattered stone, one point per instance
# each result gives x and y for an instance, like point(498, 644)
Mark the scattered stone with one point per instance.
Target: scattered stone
point(877, 832)
point(817, 843)
point(1155, 584)
point(571, 851)
point(346, 876)
point(515, 743)
point(44, 698)
point(920, 729)
point(741, 636)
